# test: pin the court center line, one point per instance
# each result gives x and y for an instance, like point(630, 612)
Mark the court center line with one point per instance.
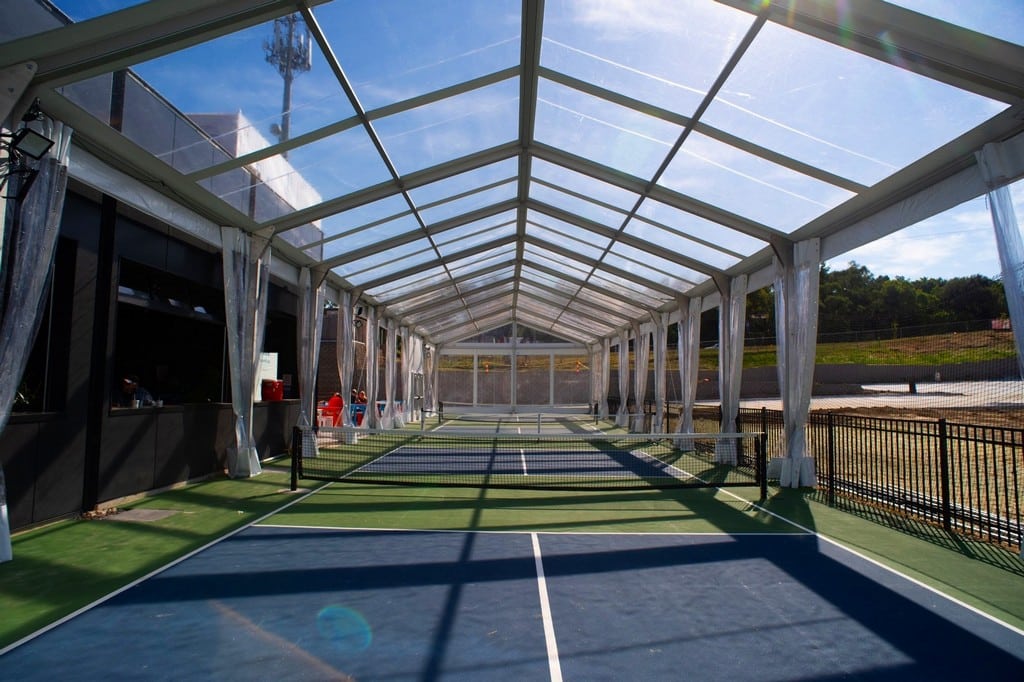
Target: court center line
point(554, 666)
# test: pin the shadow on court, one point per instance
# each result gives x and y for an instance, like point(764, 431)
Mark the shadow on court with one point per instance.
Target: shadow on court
point(296, 603)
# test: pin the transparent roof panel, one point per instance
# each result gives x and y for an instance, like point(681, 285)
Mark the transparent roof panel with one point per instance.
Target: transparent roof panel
point(453, 127)
point(486, 195)
point(499, 223)
point(638, 51)
point(572, 203)
point(321, 170)
point(577, 244)
point(394, 259)
point(461, 242)
point(237, 78)
point(711, 233)
point(367, 235)
point(600, 131)
point(539, 222)
point(838, 110)
point(89, 9)
point(747, 185)
point(396, 50)
point(652, 267)
point(464, 183)
point(673, 241)
point(568, 180)
point(1004, 20)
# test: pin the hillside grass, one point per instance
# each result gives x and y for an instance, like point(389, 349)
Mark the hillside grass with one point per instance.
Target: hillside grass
point(939, 349)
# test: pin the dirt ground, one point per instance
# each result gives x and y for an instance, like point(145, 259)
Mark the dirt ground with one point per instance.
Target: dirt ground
point(1008, 417)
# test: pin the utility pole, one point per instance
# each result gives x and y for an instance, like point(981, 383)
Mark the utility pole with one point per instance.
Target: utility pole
point(290, 51)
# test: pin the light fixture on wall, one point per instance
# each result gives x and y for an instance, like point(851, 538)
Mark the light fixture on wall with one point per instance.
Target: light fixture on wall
point(20, 146)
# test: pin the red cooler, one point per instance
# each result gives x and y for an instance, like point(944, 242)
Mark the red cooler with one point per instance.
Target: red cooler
point(273, 389)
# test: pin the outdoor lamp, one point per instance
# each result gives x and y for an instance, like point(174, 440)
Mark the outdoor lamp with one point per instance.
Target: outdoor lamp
point(29, 142)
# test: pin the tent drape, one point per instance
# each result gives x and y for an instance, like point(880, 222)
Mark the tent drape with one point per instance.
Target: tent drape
point(370, 420)
point(641, 359)
point(429, 391)
point(390, 412)
point(344, 351)
point(311, 318)
point(796, 331)
point(28, 245)
point(246, 282)
point(412, 366)
point(622, 415)
point(688, 347)
point(606, 376)
point(1008, 241)
point(731, 322)
point(660, 351)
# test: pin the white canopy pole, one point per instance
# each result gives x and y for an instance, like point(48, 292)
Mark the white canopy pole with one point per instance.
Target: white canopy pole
point(246, 283)
point(622, 415)
point(390, 375)
point(370, 419)
point(688, 345)
point(344, 351)
point(731, 323)
point(606, 369)
point(660, 351)
point(311, 318)
point(796, 322)
point(641, 359)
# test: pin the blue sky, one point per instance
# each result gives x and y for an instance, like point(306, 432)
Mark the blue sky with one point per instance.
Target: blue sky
point(635, 47)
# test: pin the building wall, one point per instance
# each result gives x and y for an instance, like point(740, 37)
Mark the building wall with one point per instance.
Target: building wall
point(81, 453)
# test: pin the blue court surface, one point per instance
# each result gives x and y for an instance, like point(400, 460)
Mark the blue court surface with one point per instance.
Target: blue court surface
point(289, 603)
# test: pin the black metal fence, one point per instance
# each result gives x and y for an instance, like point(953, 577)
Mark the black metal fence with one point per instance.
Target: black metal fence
point(966, 478)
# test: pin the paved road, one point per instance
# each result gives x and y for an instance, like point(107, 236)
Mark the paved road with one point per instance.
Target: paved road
point(928, 395)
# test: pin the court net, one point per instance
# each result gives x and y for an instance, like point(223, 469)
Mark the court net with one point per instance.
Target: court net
point(586, 461)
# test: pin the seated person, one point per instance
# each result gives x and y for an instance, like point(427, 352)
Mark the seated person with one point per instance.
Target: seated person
point(333, 409)
point(130, 392)
point(362, 397)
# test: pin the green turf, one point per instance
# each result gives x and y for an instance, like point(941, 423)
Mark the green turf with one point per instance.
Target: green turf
point(61, 567)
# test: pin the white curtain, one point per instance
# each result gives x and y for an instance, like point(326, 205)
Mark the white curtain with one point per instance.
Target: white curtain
point(429, 379)
point(622, 416)
point(28, 245)
point(344, 351)
point(1008, 241)
point(412, 366)
point(730, 362)
point(311, 319)
point(246, 282)
point(370, 420)
point(606, 376)
point(388, 420)
point(641, 360)
point(796, 331)
point(594, 358)
point(660, 351)
point(688, 347)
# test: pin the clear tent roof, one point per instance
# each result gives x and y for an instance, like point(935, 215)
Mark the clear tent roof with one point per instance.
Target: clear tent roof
point(568, 165)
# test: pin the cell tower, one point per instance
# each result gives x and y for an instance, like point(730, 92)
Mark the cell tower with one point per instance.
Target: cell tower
point(290, 51)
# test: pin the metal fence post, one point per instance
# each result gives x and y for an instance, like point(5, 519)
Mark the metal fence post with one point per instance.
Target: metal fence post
point(947, 514)
point(830, 478)
point(296, 456)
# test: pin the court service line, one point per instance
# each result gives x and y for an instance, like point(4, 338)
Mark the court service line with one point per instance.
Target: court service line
point(554, 666)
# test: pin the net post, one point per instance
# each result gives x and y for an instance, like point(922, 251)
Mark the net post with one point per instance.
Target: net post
point(296, 456)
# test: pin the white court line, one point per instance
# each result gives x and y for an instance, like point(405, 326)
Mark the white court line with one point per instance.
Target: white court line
point(545, 612)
